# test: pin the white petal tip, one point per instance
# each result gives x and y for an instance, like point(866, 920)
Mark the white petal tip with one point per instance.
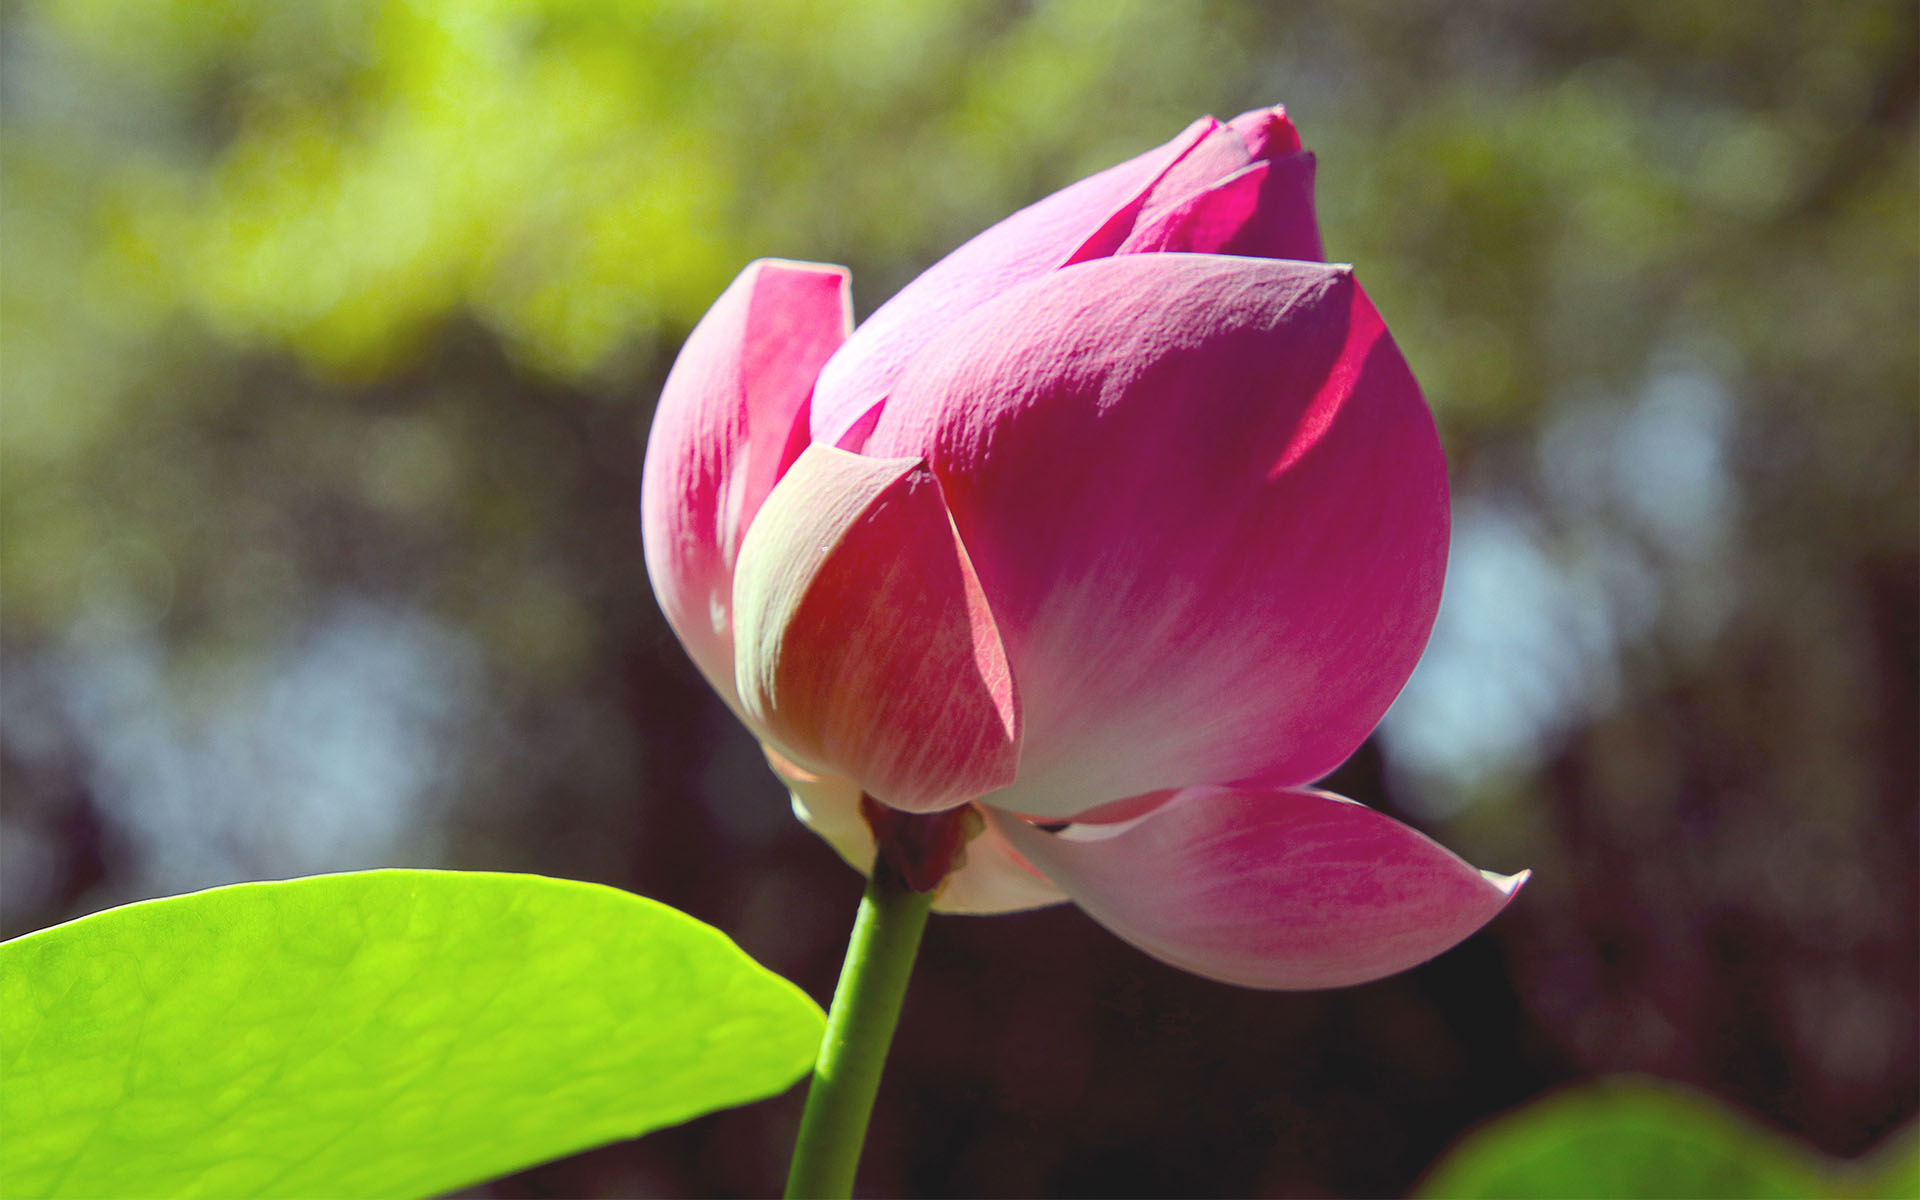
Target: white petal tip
point(1508, 884)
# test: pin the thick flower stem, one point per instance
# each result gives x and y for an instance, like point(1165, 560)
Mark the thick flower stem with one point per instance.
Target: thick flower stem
point(866, 1008)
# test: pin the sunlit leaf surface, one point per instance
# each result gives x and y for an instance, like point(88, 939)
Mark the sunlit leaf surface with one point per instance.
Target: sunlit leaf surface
point(393, 1033)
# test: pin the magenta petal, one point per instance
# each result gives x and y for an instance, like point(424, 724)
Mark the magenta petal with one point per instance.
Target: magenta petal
point(864, 647)
point(1089, 219)
point(1267, 132)
point(720, 439)
point(1284, 224)
point(1269, 889)
point(1211, 156)
point(1204, 222)
point(1207, 505)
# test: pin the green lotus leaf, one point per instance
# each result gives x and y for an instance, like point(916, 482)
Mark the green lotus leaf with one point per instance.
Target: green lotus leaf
point(383, 1033)
point(1625, 1137)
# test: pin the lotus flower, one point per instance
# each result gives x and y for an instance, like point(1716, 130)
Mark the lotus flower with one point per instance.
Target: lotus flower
point(1121, 524)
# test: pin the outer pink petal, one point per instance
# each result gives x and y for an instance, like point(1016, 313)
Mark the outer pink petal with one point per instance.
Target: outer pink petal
point(720, 435)
point(991, 878)
point(1087, 220)
point(1269, 889)
point(1207, 505)
point(863, 645)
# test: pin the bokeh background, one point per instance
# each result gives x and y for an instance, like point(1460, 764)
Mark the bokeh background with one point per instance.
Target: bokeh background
point(330, 333)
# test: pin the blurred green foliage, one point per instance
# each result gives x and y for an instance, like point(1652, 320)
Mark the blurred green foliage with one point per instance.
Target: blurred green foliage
point(194, 184)
point(1640, 1138)
point(338, 180)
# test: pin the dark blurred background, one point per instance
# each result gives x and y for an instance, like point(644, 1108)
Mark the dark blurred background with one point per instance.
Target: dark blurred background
point(331, 331)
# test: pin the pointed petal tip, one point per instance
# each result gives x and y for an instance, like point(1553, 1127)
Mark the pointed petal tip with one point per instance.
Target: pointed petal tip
point(1509, 885)
point(1268, 132)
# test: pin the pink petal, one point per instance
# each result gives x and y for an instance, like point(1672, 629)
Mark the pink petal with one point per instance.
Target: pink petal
point(1218, 153)
point(1203, 222)
point(863, 645)
point(1267, 132)
point(1284, 224)
point(1208, 508)
point(1270, 216)
point(1089, 219)
point(991, 878)
point(720, 435)
point(829, 805)
point(995, 878)
point(1270, 889)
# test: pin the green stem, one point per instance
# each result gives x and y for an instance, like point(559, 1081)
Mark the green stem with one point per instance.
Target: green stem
point(866, 1007)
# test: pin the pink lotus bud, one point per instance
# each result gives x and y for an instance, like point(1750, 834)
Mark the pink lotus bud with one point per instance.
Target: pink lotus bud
point(1126, 515)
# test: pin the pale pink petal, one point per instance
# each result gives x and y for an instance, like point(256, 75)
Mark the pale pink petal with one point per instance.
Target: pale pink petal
point(1087, 220)
point(829, 805)
point(1116, 812)
point(720, 435)
point(863, 645)
point(994, 878)
point(1208, 508)
point(1269, 888)
point(991, 877)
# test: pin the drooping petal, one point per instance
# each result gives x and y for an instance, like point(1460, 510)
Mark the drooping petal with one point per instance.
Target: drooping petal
point(1089, 219)
point(1283, 888)
point(864, 647)
point(721, 437)
point(1207, 505)
point(991, 878)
